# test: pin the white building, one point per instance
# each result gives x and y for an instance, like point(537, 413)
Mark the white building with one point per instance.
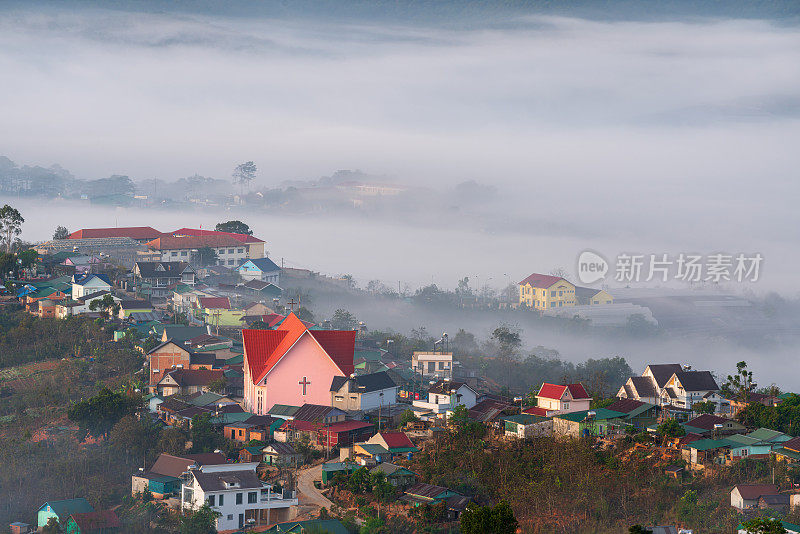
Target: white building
point(263, 269)
point(685, 388)
point(433, 364)
point(88, 284)
point(364, 392)
point(236, 492)
point(445, 395)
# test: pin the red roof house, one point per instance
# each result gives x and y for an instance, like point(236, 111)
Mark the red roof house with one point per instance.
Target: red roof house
point(138, 233)
point(562, 398)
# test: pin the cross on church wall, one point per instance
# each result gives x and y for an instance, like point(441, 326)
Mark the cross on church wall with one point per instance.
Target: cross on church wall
point(291, 304)
point(304, 382)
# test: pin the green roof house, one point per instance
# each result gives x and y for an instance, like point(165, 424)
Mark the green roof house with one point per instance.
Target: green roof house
point(598, 422)
point(61, 510)
point(328, 526)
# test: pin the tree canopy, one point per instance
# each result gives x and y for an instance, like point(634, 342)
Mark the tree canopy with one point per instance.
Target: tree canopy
point(97, 415)
point(498, 519)
point(10, 224)
point(234, 227)
point(61, 232)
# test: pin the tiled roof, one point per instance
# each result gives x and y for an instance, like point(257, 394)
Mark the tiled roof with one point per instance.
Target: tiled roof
point(556, 391)
point(313, 412)
point(173, 466)
point(242, 238)
point(627, 405)
point(644, 386)
point(193, 242)
point(215, 481)
point(697, 380)
point(541, 280)
point(364, 383)
point(662, 372)
point(395, 440)
point(536, 410)
point(752, 492)
point(215, 303)
point(195, 377)
point(133, 232)
point(707, 421)
point(95, 521)
point(265, 348)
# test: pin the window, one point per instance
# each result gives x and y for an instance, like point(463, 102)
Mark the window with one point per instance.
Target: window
point(230, 517)
point(221, 499)
point(441, 365)
point(183, 253)
point(239, 498)
point(230, 251)
point(174, 253)
point(240, 251)
point(566, 406)
point(552, 293)
point(230, 262)
point(252, 497)
point(211, 499)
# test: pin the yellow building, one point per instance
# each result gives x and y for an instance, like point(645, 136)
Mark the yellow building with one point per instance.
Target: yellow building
point(587, 296)
point(545, 292)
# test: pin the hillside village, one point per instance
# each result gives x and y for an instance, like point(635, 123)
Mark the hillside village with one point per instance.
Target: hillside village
point(279, 421)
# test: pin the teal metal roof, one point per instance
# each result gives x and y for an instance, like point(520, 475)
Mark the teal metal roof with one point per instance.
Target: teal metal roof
point(283, 410)
point(64, 508)
point(373, 448)
point(254, 450)
point(767, 434)
point(709, 444)
point(340, 466)
point(786, 452)
point(601, 414)
point(742, 440)
point(524, 419)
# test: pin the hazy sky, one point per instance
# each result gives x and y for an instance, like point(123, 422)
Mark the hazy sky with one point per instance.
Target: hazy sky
point(641, 136)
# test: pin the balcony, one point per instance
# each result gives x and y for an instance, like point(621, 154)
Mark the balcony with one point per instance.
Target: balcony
point(271, 499)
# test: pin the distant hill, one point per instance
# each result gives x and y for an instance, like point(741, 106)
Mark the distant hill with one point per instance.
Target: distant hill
point(454, 11)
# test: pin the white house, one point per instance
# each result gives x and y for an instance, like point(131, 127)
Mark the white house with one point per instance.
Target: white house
point(648, 387)
point(562, 398)
point(263, 269)
point(432, 364)
point(685, 388)
point(364, 392)
point(445, 395)
point(82, 305)
point(745, 496)
point(86, 285)
point(236, 492)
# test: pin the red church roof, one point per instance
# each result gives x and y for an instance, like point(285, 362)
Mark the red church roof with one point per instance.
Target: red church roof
point(264, 348)
point(215, 303)
point(556, 391)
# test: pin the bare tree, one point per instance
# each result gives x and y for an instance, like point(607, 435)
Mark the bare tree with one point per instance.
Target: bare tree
point(244, 173)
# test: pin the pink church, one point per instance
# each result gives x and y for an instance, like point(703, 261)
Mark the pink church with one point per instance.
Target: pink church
point(293, 365)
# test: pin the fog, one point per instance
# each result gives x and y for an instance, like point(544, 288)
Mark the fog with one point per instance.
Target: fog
point(665, 135)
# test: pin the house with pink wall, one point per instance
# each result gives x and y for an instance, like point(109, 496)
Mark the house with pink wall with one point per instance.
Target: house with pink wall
point(554, 399)
point(293, 365)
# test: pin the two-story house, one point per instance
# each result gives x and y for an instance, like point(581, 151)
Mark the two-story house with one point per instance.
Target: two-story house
point(237, 494)
point(364, 392)
point(685, 388)
point(262, 269)
point(83, 286)
point(432, 364)
point(445, 395)
point(153, 278)
point(554, 399)
point(648, 387)
point(545, 292)
point(229, 251)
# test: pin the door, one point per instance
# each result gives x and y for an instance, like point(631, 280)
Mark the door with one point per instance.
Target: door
point(241, 520)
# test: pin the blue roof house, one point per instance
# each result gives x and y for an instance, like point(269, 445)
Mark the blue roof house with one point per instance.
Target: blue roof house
point(61, 510)
point(263, 269)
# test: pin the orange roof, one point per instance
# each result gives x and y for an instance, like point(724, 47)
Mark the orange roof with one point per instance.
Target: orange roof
point(192, 242)
point(243, 238)
point(134, 232)
point(264, 348)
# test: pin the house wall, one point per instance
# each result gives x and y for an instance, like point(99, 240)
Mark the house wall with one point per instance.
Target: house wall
point(93, 286)
point(305, 359)
point(560, 294)
point(167, 356)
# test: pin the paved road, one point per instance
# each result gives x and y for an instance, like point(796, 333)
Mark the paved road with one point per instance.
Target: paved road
point(305, 486)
